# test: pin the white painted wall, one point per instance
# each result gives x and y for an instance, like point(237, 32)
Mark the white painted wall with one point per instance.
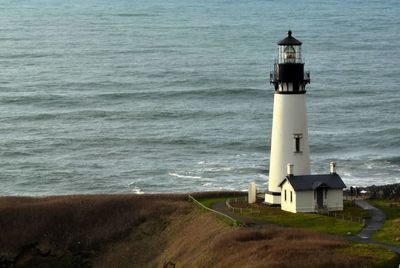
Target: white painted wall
point(289, 117)
point(286, 204)
point(334, 199)
point(273, 199)
point(305, 201)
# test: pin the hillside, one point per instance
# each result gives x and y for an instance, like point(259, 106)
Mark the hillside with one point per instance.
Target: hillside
point(151, 231)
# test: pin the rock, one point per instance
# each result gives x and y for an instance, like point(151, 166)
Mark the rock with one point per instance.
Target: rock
point(44, 248)
point(348, 233)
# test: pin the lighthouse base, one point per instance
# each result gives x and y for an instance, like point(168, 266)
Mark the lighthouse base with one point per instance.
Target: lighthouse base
point(272, 198)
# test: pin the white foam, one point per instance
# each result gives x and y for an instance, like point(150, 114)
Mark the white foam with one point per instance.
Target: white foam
point(137, 190)
point(263, 176)
point(184, 176)
point(217, 169)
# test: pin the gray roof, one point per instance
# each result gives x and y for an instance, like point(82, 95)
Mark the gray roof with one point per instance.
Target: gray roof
point(311, 182)
point(289, 41)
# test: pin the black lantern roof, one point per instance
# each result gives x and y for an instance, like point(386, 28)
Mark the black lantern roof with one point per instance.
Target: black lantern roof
point(289, 40)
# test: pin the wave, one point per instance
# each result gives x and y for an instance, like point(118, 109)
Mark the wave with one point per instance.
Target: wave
point(134, 15)
point(173, 174)
point(391, 160)
point(210, 92)
point(31, 55)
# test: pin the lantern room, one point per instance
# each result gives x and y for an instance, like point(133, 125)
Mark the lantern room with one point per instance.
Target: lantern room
point(288, 75)
point(289, 50)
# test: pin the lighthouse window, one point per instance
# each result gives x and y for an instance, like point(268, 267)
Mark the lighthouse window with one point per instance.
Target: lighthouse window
point(289, 54)
point(297, 142)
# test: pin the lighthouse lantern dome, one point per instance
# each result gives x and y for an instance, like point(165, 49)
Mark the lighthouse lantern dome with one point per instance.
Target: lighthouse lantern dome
point(289, 50)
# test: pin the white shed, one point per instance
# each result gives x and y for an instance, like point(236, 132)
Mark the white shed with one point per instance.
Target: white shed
point(311, 193)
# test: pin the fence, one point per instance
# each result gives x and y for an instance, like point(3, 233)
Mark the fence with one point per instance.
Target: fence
point(234, 222)
point(348, 217)
point(240, 210)
point(336, 215)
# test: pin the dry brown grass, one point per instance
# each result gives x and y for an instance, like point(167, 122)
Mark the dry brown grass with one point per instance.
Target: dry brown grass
point(78, 224)
point(150, 231)
point(205, 242)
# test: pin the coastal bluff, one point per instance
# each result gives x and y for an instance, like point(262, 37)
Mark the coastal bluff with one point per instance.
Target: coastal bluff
point(151, 230)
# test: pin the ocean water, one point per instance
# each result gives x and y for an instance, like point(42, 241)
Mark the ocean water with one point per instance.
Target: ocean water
point(123, 96)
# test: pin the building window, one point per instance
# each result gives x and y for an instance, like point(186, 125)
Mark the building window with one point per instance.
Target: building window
point(291, 197)
point(297, 142)
point(285, 195)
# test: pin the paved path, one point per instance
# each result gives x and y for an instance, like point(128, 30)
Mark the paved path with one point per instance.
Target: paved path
point(375, 223)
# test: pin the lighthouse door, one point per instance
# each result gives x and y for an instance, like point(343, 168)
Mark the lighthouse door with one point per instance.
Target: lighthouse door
point(320, 197)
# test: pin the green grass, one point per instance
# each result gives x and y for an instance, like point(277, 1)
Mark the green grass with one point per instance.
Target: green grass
point(390, 232)
point(208, 202)
point(377, 256)
point(380, 257)
point(310, 221)
point(350, 208)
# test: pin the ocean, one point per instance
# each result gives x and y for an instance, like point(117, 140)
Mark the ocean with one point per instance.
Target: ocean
point(123, 96)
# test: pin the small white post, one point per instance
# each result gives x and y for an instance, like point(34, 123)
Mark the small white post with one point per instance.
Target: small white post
point(252, 193)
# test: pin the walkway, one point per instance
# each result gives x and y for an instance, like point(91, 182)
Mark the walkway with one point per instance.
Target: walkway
point(376, 222)
point(372, 225)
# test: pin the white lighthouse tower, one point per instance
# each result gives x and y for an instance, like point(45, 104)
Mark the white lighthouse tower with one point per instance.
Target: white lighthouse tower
point(290, 152)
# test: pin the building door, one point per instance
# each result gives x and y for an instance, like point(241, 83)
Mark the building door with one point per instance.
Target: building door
point(320, 197)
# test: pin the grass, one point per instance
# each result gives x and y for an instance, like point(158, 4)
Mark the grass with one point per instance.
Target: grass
point(208, 202)
point(309, 221)
point(157, 231)
point(350, 208)
point(75, 226)
point(390, 232)
point(377, 256)
point(373, 256)
point(268, 246)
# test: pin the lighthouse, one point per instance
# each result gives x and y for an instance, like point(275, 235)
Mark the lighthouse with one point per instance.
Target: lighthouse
point(290, 153)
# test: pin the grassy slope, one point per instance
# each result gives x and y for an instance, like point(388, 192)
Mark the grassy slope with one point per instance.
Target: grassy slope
point(390, 233)
point(153, 231)
point(310, 221)
point(70, 230)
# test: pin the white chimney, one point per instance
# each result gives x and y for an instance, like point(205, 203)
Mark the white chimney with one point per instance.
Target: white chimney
point(290, 169)
point(333, 168)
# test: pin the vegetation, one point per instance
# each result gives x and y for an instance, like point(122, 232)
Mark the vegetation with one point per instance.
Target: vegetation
point(310, 221)
point(69, 231)
point(157, 231)
point(208, 202)
point(379, 257)
point(390, 233)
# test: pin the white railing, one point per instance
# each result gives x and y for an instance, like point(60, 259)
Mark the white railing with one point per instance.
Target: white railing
point(235, 222)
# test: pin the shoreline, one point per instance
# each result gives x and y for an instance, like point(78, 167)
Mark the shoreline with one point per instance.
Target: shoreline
point(384, 191)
